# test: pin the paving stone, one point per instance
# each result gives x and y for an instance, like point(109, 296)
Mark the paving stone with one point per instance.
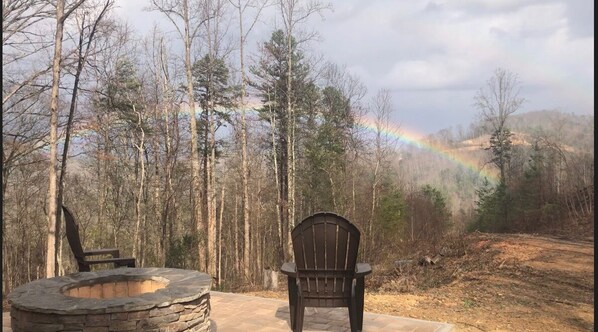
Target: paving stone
point(236, 312)
point(230, 309)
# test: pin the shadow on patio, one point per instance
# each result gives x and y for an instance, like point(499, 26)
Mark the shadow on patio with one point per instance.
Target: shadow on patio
point(236, 312)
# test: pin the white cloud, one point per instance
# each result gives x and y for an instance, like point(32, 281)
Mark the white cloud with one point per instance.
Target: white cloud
point(435, 54)
point(454, 46)
point(434, 73)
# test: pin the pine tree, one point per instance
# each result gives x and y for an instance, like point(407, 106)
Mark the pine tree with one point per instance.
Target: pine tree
point(270, 80)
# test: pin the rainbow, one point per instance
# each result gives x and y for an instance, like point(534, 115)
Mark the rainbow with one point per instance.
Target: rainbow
point(402, 135)
point(411, 138)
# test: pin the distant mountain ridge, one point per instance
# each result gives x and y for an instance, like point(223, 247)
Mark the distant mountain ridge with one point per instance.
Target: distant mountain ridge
point(572, 132)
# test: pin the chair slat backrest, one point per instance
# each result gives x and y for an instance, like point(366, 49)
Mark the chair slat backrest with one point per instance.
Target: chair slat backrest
point(325, 247)
point(72, 235)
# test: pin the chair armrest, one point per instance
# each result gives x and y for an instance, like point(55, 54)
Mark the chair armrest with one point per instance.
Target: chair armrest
point(290, 269)
point(362, 269)
point(113, 252)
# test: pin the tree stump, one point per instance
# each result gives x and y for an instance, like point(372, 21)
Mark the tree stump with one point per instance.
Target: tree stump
point(270, 279)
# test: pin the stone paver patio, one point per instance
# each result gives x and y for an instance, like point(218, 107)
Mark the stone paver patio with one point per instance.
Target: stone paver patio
point(236, 313)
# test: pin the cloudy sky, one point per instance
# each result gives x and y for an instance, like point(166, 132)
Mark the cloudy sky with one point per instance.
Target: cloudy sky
point(434, 55)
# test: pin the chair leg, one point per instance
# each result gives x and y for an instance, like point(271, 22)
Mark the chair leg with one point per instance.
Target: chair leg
point(299, 315)
point(292, 300)
point(353, 315)
point(359, 297)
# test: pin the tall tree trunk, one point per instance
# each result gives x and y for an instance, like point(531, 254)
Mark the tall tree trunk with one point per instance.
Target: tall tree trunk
point(67, 141)
point(81, 59)
point(158, 198)
point(138, 211)
point(211, 217)
point(370, 238)
point(210, 165)
point(236, 231)
point(279, 215)
point(195, 184)
point(353, 195)
point(260, 226)
point(166, 238)
point(52, 208)
point(219, 280)
point(244, 166)
point(290, 142)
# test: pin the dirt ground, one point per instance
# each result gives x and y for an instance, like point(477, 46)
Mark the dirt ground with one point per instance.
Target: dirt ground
point(493, 282)
point(490, 282)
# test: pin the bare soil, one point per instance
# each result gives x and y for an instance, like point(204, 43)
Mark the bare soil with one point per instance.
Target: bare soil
point(492, 282)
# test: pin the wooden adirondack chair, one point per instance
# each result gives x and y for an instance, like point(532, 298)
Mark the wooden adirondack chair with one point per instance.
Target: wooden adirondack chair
point(326, 272)
point(72, 235)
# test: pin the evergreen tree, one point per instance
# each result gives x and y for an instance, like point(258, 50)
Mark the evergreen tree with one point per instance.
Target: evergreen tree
point(211, 84)
point(327, 137)
point(215, 95)
point(270, 80)
point(122, 94)
point(501, 147)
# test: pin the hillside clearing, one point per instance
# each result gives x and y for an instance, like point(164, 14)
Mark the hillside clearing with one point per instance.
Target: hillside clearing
point(498, 283)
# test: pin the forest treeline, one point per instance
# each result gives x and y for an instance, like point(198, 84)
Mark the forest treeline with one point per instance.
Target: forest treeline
point(184, 150)
point(550, 167)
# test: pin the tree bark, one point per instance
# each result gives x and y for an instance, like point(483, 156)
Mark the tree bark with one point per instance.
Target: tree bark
point(279, 219)
point(195, 184)
point(52, 208)
point(211, 159)
point(236, 231)
point(138, 211)
point(290, 140)
point(219, 280)
point(244, 162)
point(81, 59)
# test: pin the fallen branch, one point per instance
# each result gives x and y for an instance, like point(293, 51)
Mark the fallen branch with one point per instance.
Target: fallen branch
point(563, 302)
point(477, 327)
point(427, 260)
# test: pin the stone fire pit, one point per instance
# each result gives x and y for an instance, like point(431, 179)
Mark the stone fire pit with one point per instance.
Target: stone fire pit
point(123, 299)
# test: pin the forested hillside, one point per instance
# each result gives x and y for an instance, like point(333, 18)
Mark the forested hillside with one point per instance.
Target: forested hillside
point(570, 135)
point(183, 150)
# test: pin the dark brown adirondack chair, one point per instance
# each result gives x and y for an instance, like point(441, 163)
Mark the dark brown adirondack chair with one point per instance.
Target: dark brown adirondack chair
point(72, 235)
point(326, 272)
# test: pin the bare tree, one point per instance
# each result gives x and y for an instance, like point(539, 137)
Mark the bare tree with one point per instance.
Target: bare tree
point(163, 140)
point(499, 99)
point(293, 14)
point(242, 7)
point(22, 43)
point(188, 22)
point(87, 29)
point(22, 47)
point(381, 108)
point(213, 97)
point(61, 16)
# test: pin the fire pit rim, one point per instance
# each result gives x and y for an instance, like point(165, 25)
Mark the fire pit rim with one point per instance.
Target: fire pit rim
point(113, 278)
point(45, 295)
